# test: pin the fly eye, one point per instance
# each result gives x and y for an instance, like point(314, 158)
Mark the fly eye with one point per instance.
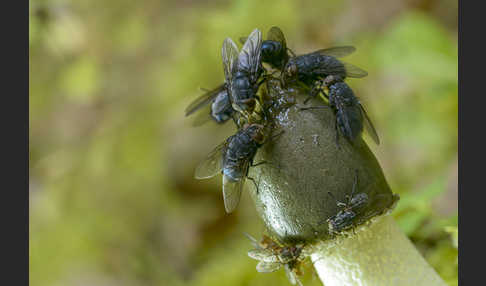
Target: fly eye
point(258, 136)
point(291, 70)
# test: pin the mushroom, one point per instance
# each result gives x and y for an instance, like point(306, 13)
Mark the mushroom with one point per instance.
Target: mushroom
point(305, 165)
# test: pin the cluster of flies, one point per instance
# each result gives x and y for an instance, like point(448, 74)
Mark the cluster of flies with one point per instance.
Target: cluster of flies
point(321, 72)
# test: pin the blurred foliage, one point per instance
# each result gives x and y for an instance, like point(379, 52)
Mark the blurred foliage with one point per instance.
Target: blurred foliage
point(112, 199)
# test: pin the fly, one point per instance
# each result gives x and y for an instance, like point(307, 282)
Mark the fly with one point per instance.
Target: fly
point(344, 218)
point(312, 67)
point(233, 158)
point(272, 256)
point(242, 71)
point(274, 48)
point(213, 105)
point(350, 114)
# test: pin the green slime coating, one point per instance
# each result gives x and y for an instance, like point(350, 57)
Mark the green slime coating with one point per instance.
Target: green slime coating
point(304, 164)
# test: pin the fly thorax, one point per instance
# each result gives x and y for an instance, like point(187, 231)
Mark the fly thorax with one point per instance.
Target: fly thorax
point(241, 81)
point(271, 52)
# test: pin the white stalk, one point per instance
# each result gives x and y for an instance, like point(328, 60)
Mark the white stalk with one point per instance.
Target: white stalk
point(378, 254)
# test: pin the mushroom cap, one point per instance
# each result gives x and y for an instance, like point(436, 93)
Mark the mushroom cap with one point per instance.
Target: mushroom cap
point(305, 163)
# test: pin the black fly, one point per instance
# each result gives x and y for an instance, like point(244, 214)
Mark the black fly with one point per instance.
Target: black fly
point(233, 158)
point(217, 103)
point(214, 104)
point(344, 218)
point(274, 48)
point(242, 71)
point(312, 67)
point(350, 114)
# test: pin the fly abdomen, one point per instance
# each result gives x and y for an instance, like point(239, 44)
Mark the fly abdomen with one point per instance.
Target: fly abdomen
point(221, 109)
point(350, 122)
point(340, 90)
point(341, 221)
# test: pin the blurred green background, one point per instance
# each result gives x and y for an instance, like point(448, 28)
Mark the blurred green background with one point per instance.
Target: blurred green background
point(112, 195)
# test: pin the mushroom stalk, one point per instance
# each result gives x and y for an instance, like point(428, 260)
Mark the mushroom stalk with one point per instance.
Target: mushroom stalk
point(379, 254)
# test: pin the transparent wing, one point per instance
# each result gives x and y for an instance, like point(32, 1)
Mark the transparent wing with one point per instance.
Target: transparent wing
point(232, 193)
point(266, 267)
point(249, 58)
point(337, 52)
point(354, 71)
point(253, 240)
point(229, 53)
point(212, 164)
point(275, 34)
point(369, 126)
point(265, 255)
point(204, 99)
point(203, 116)
point(347, 125)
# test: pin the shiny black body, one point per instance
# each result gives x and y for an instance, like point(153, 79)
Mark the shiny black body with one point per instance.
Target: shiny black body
point(314, 66)
point(350, 114)
point(274, 48)
point(221, 109)
point(351, 118)
point(275, 54)
point(233, 159)
point(243, 70)
point(244, 87)
point(346, 106)
point(240, 151)
point(345, 217)
point(215, 105)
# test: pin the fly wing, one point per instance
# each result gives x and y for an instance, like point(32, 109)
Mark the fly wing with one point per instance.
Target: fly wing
point(369, 126)
point(265, 255)
point(212, 164)
point(203, 116)
point(232, 192)
point(266, 267)
point(347, 124)
point(275, 34)
point(204, 99)
point(254, 242)
point(229, 54)
point(337, 52)
point(249, 58)
point(354, 71)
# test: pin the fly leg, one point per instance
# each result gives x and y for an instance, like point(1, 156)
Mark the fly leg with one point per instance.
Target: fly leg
point(254, 183)
point(259, 163)
point(316, 88)
point(291, 52)
point(250, 103)
point(272, 137)
point(314, 107)
point(265, 77)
